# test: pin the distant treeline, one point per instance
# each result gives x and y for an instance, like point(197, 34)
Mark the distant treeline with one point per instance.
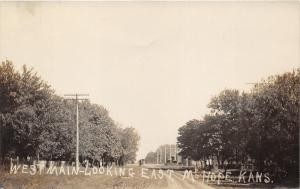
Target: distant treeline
point(36, 122)
point(259, 127)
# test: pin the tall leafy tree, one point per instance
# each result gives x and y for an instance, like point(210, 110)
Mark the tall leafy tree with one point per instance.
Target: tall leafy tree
point(261, 125)
point(35, 122)
point(129, 141)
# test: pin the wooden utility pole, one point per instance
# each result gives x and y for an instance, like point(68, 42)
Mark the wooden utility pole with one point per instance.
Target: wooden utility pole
point(157, 156)
point(165, 153)
point(170, 155)
point(176, 154)
point(1, 125)
point(77, 121)
point(160, 157)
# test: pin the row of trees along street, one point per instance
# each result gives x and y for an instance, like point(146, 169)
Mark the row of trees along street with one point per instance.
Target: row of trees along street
point(35, 122)
point(260, 127)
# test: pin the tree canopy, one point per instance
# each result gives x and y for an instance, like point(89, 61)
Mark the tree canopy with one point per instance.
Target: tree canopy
point(36, 122)
point(261, 126)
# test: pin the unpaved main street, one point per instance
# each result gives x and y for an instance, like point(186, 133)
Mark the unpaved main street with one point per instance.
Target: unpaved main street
point(107, 181)
point(177, 182)
point(103, 181)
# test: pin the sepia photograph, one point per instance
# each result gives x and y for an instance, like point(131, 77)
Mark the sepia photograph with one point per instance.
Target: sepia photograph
point(149, 94)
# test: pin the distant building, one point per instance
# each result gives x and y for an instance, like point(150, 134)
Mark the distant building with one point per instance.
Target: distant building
point(141, 162)
point(168, 154)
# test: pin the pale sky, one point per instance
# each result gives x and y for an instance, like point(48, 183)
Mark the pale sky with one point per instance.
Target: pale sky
point(154, 66)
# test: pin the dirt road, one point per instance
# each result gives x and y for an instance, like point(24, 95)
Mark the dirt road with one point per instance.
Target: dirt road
point(177, 182)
